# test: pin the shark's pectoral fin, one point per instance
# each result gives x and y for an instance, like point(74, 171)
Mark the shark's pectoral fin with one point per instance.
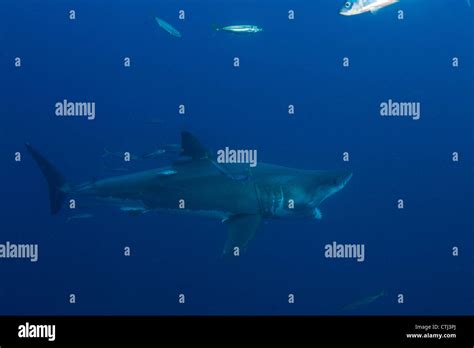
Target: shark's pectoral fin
point(242, 228)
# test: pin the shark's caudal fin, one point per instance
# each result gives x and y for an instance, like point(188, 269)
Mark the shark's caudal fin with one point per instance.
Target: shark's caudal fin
point(191, 147)
point(56, 182)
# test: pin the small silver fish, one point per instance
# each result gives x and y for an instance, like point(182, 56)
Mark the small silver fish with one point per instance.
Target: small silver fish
point(117, 169)
point(166, 172)
point(240, 29)
point(168, 27)
point(153, 121)
point(172, 148)
point(79, 216)
point(134, 211)
point(355, 7)
point(364, 301)
point(157, 153)
point(118, 154)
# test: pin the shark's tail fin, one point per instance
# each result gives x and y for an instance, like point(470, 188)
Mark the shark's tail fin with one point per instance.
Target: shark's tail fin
point(56, 183)
point(215, 27)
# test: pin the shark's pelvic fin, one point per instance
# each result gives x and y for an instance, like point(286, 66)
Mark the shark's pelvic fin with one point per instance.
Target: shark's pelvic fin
point(317, 214)
point(56, 182)
point(242, 228)
point(191, 147)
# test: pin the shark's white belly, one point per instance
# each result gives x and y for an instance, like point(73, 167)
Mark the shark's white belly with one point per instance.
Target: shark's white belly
point(214, 214)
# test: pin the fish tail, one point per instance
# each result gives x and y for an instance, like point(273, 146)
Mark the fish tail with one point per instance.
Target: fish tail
point(56, 183)
point(468, 3)
point(215, 27)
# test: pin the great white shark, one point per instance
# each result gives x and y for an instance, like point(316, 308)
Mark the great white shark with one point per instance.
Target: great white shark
point(193, 186)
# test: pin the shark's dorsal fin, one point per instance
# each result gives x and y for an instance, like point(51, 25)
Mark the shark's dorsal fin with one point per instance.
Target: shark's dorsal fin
point(242, 228)
point(191, 147)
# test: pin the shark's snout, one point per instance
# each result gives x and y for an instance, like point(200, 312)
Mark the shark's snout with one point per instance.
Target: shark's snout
point(330, 183)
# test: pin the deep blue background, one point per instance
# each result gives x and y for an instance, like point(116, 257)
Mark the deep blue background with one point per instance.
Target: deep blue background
point(291, 62)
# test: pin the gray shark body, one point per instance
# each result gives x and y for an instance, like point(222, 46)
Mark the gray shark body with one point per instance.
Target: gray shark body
point(195, 187)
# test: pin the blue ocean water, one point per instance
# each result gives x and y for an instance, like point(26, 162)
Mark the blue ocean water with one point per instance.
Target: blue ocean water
point(298, 62)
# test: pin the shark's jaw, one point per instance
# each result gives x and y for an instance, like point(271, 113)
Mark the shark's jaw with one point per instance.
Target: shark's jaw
point(300, 198)
point(332, 183)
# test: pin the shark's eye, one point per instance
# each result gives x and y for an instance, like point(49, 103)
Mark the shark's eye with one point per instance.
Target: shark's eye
point(347, 4)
